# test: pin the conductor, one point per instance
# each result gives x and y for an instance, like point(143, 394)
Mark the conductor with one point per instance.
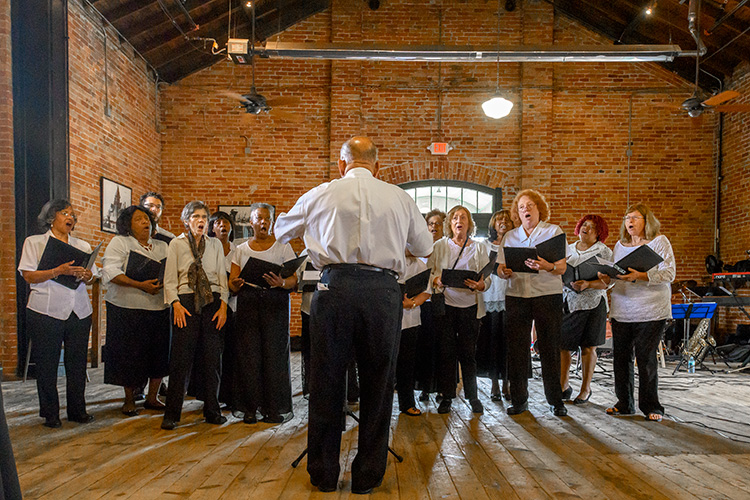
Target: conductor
point(355, 229)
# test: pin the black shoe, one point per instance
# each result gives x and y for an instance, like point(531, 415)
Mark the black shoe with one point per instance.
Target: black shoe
point(216, 419)
point(444, 406)
point(425, 396)
point(52, 422)
point(139, 397)
point(250, 419)
point(130, 413)
point(168, 424)
point(82, 419)
point(476, 406)
point(273, 419)
point(366, 491)
point(517, 409)
point(580, 401)
point(567, 393)
point(151, 406)
point(323, 487)
point(560, 410)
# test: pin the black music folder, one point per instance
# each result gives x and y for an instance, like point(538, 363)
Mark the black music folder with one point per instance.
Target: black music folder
point(254, 270)
point(550, 250)
point(641, 259)
point(416, 284)
point(57, 252)
point(142, 268)
point(583, 271)
point(455, 277)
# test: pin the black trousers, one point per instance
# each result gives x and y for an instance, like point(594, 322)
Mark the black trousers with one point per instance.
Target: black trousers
point(546, 312)
point(352, 381)
point(10, 489)
point(407, 352)
point(200, 331)
point(643, 339)
point(459, 330)
point(361, 310)
point(263, 374)
point(48, 335)
point(426, 362)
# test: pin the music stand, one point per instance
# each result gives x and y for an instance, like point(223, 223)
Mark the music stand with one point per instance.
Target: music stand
point(686, 312)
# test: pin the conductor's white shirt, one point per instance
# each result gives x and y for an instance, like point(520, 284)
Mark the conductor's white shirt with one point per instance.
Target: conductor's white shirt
point(357, 219)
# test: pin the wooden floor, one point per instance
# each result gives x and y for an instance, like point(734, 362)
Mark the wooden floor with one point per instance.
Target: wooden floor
point(701, 450)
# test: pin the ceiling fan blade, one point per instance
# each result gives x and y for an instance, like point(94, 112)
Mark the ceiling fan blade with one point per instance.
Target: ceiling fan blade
point(732, 107)
point(234, 95)
point(282, 101)
point(722, 97)
point(286, 115)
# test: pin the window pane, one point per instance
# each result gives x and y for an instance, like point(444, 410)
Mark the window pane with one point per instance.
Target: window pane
point(412, 193)
point(438, 197)
point(484, 206)
point(470, 200)
point(423, 199)
point(454, 198)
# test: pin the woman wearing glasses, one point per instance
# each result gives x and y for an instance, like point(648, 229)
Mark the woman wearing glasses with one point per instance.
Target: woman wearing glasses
point(195, 285)
point(641, 306)
point(534, 296)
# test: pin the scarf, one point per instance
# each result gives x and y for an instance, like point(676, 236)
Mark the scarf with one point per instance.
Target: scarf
point(197, 279)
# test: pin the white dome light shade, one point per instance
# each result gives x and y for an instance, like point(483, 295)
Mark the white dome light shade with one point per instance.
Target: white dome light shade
point(497, 107)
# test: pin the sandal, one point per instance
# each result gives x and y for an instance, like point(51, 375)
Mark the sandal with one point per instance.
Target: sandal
point(496, 397)
point(616, 412)
point(654, 417)
point(412, 412)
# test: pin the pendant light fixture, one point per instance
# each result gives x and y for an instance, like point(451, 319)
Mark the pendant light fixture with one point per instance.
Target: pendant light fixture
point(498, 106)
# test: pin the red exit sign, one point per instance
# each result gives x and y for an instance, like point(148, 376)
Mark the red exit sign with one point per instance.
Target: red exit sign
point(439, 148)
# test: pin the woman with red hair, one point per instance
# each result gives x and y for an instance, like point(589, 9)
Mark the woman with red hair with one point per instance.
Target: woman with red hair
point(585, 305)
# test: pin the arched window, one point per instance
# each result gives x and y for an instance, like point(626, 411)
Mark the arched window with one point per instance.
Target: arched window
point(482, 201)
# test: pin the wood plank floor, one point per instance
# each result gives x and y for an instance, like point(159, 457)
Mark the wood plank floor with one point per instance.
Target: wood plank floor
point(701, 450)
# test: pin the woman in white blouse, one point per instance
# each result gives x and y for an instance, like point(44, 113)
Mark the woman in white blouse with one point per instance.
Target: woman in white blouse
point(56, 314)
point(195, 285)
point(533, 297)
point(137, 318)
point(641, 307)
point(584, 324)
point(464, 307)
point(263, 373)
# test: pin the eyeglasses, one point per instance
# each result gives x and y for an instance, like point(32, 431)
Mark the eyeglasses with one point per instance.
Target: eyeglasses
point(526, 208)
point(65, 213)
point(152, 205)
point(199, 217)
point(429, 224)
point(628, 218)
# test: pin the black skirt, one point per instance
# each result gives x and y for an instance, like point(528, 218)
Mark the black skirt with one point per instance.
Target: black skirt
point(137, 347)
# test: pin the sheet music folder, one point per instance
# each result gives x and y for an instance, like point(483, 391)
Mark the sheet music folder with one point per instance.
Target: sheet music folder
point(550, 250)
point(641, 259)
point(310, 279)
point(455, 277)
point(254, 270)
point(583, 271)
point(416, 284)
point(57, 252)
point(142, 268)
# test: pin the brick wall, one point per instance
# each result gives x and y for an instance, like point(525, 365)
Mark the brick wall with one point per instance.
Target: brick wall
point(7, 199)
point(567, 135)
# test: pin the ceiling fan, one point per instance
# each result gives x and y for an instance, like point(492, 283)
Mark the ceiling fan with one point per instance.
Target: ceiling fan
point(254, 103)
point(695, 105)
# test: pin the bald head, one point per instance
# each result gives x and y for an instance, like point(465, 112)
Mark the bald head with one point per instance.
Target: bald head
point(359, 152)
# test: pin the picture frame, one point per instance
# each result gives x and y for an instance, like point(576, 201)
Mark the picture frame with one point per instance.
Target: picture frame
point(114, 198)
point(240, 215)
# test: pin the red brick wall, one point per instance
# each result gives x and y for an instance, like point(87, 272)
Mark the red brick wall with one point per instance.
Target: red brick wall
point(734, 222)
point(567, 135)
point(7, 200)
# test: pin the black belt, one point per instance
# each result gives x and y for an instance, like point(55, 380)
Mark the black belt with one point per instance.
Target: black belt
point(361, 267)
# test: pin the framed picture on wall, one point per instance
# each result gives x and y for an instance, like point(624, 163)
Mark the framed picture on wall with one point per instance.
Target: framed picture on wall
point(114, 199)
point(240, 214)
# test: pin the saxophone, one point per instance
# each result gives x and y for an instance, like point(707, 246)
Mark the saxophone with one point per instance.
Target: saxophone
point(701, 341)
